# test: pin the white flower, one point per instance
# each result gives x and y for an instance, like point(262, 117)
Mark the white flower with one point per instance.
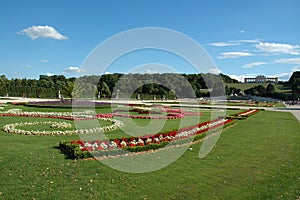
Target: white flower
point(113, 144)
point(103, 145)
point(123, 144)
point(149, 140)
point(133, 142)
point(140, 141)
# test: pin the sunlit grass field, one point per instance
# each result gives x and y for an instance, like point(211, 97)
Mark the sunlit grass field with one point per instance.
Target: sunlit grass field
point(256, 158)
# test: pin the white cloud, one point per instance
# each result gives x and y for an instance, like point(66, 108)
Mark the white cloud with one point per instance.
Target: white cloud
point(214, 71)
point(297, 68)
point(44, 60)
point(288, 61)
point(234, 54)
point(238, 77)
point(223, 44)
point(72, 69)
point(49, 74)
point(246, 41)
point(35, 32)
point(278, 48)
point(150, 71)
point(284, 76)
point(251, 65)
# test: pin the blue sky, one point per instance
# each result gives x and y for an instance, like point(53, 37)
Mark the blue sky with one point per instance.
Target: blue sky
point(244, 38)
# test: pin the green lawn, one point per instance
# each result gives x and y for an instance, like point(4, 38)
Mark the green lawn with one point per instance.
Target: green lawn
point(244, 86)
point(257, 158)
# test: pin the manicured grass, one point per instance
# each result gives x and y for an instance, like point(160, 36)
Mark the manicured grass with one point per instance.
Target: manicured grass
point(244, 86)
point(280, 105)
point(254, 104)
point(257, 158)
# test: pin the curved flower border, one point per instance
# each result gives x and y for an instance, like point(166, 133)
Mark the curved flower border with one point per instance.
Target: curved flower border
point(151, 139)
point(88, 114)
point(173, 113)
point(113, 147)
point(12, 128)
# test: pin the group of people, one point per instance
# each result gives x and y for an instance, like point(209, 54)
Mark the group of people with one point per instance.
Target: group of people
point(292, 103)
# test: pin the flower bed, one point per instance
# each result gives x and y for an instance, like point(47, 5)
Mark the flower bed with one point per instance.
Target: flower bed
point(243, 115)
point(85, 149)
point(171, 113)
point(249, 112)
point(68, 104)
point(137, 144)
point(169, 116)
point(59, 115)
point(12, 128)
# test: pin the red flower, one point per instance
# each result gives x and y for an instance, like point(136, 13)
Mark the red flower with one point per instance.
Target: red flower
point(84, 149)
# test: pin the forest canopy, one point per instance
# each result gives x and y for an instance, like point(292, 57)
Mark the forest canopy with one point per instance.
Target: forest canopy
point(168, 85)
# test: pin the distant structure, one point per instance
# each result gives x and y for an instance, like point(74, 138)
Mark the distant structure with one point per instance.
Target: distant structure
point(261, 79)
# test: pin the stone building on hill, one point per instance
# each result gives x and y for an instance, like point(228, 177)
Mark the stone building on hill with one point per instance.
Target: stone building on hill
point(261, 79)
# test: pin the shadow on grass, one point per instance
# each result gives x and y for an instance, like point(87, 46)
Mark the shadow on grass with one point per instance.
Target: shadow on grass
point(64, 152)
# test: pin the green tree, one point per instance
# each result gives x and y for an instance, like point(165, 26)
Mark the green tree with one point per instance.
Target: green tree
point(270, 89)
point(104, 90)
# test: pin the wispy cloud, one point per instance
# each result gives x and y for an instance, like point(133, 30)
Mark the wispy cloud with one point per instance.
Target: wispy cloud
point(233, 43)
point(44, 60)
point(72, 69)
point(253, 64)
point(223, 44)
point(285, 76)
point(35, 32)
point(150, 71)
point(288, 61)
point(235, 54)
point(246, 41)
point(297, 68)
point(278, 48)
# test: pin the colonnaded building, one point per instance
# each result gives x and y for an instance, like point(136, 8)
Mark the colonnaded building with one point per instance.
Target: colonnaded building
point(261, 79)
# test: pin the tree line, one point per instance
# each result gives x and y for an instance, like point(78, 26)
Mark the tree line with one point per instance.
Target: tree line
point(269, 91)
point(168, 85)
point(143, 86)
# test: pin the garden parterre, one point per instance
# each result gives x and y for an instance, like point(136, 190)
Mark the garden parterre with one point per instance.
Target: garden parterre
point(81, 149)
point(33, 169)
point(154, 140)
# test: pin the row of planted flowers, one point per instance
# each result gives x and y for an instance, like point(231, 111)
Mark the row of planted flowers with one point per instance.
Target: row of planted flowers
point(249, 112)
point(244, 115)
point(84, 149)
point(69, 103)
point(88, 114)
point(168, 116)
point(150, 139)
point(171, 113)
point(13, 128)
